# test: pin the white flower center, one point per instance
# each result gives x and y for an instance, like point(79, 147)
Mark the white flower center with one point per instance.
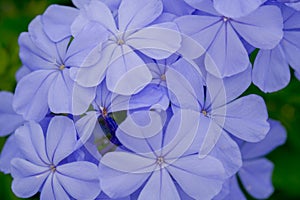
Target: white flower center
point(225, 19)
point(160, 160)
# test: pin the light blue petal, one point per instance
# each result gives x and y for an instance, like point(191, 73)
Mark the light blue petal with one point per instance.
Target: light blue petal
point(92, 75)
point(256, 176)
point(136, 14)
point(228, 152)
point(80, 3)
point(271, 70)
point(276, 136)
point(132, 163)
point(22, 71)
point(9, 120)
point(236, 8)
point(261, 28)
point(159, 186)
point(199, 178)
point(60, 139)
point(246, 118)
point(9, 151)
point(57, 21)
point(85, 127)
point(179, 8)
point(79, 179)
point(31, 142)
point(127, 74)
point(28, 177)
point(95, 11)
point(119, 184)
point(158, 41)
point(31, 94)
point(219, 60)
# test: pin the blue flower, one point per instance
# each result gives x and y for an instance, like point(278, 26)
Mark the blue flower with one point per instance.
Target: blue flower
point(256, 172)
point(106, 103)
point(271, 70)
point(43, 166)
point(217, 102)
point(222, 36)
point(132, 31)
point(48, 85)
point(156, 163)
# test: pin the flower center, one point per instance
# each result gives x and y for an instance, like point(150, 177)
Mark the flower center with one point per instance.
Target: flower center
point(120, 42)
point(104, 111)
point(62, 67)
point(52, 168)
point(204, 112)
point(160, 160)
point(163, 77)
point(225, 19)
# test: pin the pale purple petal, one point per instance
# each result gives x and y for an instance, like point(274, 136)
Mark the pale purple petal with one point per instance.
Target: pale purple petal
point(182, 92)
point(275, 137)
point(131, 162)
point(9, 120)
point(207, 176)
point(180, 133)
point(246, 118)
point(31, 142)
point(198, 32)
point(236, 8)
point(9, 151)
point(79, 179)
point(235, 190)
point(33, 56)
point(119, 184)
point(28, 177)
point(136, 14)
point(160, 186)
point(256, 176)
point(57, 21)
point(271, 70)
point(179, 8)
point(95, 11)
point(85, 127)
point(127, 74)
point(228, 152)
point(60, 139)
point(80, 3)
point(262, 28)
point(219, 60)
point(41, 40)
point(85, 48)
point(291, 47)
point(159, 41)
point(142, 132)
point(92, 75)
point(31, 94)
point(22, 71)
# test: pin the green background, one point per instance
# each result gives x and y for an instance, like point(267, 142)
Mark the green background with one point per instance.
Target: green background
point(284, 105)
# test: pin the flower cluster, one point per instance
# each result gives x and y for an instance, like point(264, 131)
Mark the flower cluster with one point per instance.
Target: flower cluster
point(142, 99)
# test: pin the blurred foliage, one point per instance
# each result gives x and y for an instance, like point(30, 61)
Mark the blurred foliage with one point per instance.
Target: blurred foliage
point(284, 105)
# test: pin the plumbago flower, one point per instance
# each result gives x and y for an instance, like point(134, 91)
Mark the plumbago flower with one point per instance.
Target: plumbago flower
point(223, 36)
point(48, 85)
point(133, 29)
point(43, 164)
point(7, 114)
point(217, 102)
point(106, 103)
point(156, 163)
point(131, 99)
point(256, 172)
point(271, 70)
